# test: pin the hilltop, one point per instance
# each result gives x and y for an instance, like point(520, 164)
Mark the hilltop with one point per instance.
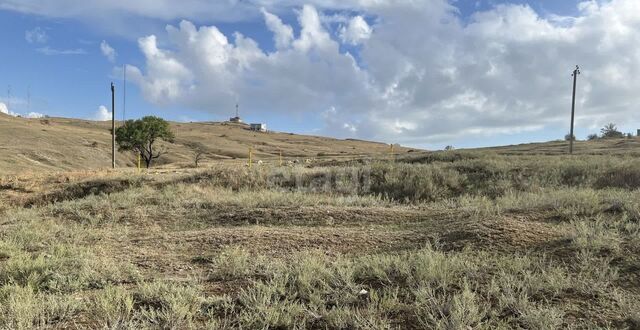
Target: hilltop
point(64, 144)
point(60, 144)
point(619, 146)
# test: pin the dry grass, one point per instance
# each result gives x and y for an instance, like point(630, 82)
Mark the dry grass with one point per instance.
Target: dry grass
point(61, 144)
point(444, 241)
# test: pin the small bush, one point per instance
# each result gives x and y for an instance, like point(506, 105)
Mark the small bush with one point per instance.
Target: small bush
point(626, 176)
point(166, 305)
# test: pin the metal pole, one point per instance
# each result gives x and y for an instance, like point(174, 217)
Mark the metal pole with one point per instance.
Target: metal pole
point(124, 95)
point(113, 126)
point(9, 97)
point(576, 72)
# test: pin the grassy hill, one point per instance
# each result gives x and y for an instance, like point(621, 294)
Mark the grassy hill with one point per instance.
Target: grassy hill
point(516, 237)
point(621, 146)
point(76, 144)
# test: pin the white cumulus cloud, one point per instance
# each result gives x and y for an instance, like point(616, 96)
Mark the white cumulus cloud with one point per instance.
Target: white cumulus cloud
point(4, 109)
point(34, 115)
point(102, 114)
point(356, 31)
point(108, 51)
point(422, 73)
point(282, 33)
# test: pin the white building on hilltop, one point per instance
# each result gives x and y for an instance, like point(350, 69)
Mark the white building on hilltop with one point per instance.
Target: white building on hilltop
point(258, 127)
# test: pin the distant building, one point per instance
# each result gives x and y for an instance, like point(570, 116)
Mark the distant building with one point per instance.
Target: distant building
point(638, 133)
point(258, 127)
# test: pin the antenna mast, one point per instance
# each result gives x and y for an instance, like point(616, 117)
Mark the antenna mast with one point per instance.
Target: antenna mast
point(9, 97)
point(237, 110)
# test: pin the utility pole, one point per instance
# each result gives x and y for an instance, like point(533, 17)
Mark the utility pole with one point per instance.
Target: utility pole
point(113, 126)
point(124, 94)
point(575, 74)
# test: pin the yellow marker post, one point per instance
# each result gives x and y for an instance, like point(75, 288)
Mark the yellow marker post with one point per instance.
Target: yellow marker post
point(280, 157)
point(250, 156)
point(391, 152)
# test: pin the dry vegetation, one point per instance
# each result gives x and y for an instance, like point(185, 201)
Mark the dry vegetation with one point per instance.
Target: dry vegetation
point(450, 240)
point(55, 144)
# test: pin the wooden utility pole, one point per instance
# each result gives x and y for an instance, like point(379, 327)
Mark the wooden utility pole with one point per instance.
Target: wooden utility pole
point(113, 126)
point(575, 74)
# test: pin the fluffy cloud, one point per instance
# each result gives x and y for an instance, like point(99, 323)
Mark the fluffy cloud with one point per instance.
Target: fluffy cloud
point(34, 115)
point(108, 51)
point(102, 114)
point(282, 33)
point(501, 71)
point(4, 109)
point(356, 31)
point(36, 36)
point(210, 72)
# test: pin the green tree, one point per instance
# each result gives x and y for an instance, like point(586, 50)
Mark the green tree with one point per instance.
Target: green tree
point(611, 131)
point(140, 135)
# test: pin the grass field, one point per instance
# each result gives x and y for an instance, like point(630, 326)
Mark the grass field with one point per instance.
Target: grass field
point(447, 240)
point(65, 144)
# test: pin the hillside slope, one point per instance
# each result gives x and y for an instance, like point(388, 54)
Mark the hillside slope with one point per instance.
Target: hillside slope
point(621, 146)
point(55, 144)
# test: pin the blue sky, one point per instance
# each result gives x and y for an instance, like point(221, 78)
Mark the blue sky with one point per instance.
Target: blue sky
point(67, 75)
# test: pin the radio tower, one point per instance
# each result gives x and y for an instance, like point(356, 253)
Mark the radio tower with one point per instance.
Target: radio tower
point(9, 97)
point(29, 98)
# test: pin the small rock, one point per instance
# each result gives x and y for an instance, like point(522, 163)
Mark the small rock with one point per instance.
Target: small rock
point(363, 292)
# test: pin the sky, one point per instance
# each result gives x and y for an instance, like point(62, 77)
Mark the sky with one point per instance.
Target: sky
point(421, 73)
